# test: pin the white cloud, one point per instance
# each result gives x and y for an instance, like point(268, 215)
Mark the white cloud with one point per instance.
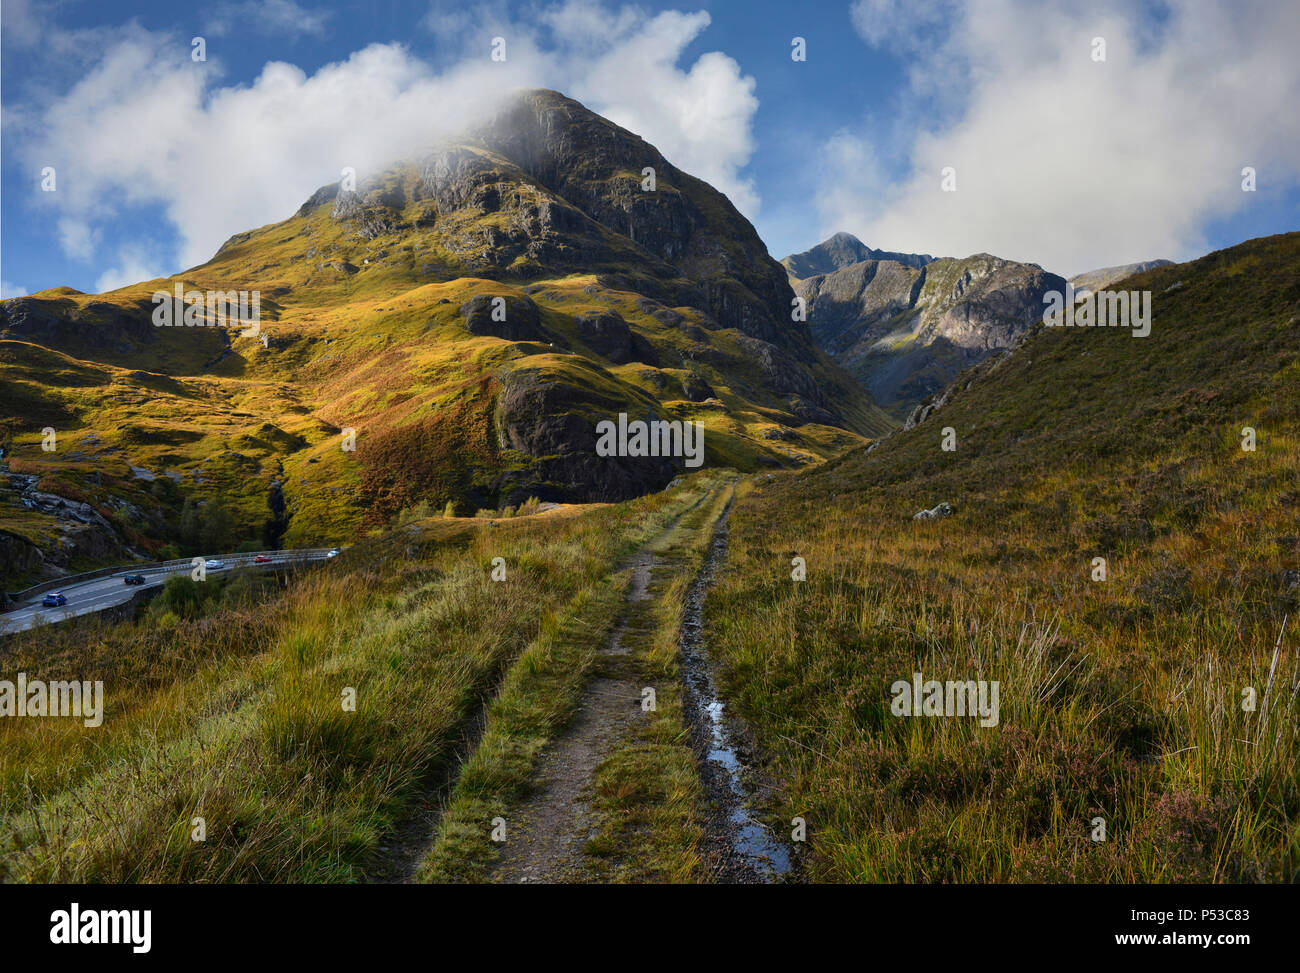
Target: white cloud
point(699, 119)
point(1068, 162)
point(8, 290)
point(148, 126)
point(281, 17)
point(77, 237)
point(135, 265)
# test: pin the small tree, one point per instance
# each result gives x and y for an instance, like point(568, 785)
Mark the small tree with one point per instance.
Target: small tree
point(181, 596)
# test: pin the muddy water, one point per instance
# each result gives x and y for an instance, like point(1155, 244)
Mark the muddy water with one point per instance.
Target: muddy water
point(739, 848)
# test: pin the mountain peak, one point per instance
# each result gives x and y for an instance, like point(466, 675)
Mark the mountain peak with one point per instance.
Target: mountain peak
point(546, 185)
point(843, 250)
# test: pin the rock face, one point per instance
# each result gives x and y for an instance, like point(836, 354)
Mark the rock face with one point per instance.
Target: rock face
point(96, 331)
point(81, 534)
point(607, 334)
point(551, 421)
point(598, 168)
point(511, 318)
point(843, 250)
point(905, 332)
point(62, 324)
point(23, 560)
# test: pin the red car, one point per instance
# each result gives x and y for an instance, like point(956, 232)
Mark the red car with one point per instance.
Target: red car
point(261, 559)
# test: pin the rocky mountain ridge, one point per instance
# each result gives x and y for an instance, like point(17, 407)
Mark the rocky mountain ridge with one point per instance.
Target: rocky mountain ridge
point(904, 332)
point(840, 251)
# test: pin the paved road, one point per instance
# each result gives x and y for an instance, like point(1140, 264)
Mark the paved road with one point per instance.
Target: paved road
point(98, 594)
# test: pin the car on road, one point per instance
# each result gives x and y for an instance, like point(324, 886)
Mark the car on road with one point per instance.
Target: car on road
point(133, 579)
point(261, 559)
point(333, 552)
point(212, 564)
point(54, 600)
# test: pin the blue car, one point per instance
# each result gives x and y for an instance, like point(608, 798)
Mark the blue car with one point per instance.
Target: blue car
point(54, 600)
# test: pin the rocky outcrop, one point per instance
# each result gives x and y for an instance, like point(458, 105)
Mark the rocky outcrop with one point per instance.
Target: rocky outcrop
point(23, 562)
point(64, 324)
point(906, 332)
point(512, 318)
point(607, 334)
point(941, 509)
point(697, 389)
point(556, 423)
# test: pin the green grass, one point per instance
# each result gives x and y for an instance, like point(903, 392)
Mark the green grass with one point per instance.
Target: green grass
point(646, 791)
point(237, 716)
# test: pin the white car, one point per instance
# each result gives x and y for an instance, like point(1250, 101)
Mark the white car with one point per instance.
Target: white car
point(212, 564)
point(333, 552)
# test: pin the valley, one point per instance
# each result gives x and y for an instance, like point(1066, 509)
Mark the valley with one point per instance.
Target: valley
point(645, 578)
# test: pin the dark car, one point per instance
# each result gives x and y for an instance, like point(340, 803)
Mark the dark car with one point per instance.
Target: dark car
point(134, 579)
point(54, 600)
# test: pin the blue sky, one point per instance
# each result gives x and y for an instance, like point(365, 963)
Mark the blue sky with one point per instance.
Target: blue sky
point(1059, 158)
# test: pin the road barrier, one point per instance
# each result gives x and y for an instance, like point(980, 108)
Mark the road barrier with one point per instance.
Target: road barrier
point(165, 567)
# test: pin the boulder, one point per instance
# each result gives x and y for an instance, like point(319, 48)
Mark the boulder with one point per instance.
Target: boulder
point(942, 509)
point(607, 334)
point(522, 321)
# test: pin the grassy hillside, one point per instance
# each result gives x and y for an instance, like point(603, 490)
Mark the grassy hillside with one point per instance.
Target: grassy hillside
point(1120, 699)
point(230, 708)
point(374, 315)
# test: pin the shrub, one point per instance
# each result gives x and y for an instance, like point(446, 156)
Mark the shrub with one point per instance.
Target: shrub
point(181, 595)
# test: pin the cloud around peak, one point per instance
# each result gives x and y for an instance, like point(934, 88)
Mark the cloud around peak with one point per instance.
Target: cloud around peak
point(149, 127)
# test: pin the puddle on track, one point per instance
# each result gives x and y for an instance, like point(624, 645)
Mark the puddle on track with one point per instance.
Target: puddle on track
point(741, 848)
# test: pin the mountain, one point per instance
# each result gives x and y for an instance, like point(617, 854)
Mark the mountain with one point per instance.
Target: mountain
point(1095, 280)
point(840, 251)
point(904, 331)
point(463, 319)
